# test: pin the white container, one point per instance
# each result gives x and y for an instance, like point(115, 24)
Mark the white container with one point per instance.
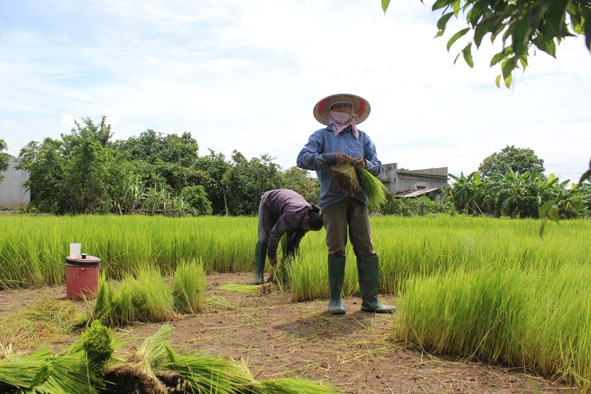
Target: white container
point(75, 250)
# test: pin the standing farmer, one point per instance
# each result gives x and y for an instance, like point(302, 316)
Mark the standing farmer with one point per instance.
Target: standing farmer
point(345, 212)
point(282, 211)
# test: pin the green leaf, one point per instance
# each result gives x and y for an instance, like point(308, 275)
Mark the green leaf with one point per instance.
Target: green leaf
point(497, 58)
point(546, 44)
point(475, 14)
point(586, 176)
point(456, 36)
point(467, 52)
point(456, 7)
point(442, 23)
point(385, 4)
point(520, 35)
point(508, 80)
point(480, 31)
point(441, 4)
point(523, 62)
point(587, 16)
point(498, 81)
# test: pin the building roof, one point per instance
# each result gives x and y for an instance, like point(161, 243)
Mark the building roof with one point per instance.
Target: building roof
point(416, 193)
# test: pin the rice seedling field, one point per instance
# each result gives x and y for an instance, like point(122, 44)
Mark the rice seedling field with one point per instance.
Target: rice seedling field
point(473, 288)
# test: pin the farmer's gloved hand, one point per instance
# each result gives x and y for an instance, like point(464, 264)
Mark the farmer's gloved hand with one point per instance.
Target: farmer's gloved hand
point(342, 158)
point(358, 162)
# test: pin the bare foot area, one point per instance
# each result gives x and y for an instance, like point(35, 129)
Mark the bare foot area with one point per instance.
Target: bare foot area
point(278, 338)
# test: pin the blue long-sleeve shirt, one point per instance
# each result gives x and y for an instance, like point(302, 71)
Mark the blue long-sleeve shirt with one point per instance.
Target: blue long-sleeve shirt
point(319, 155)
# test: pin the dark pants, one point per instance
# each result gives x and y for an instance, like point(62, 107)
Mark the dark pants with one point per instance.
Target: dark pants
point(352, 217)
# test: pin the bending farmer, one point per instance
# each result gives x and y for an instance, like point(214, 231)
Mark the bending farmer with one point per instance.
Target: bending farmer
point(345, 212)
point(282, 211)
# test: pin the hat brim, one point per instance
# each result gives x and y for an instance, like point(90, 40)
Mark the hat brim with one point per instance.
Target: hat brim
point(360, 105)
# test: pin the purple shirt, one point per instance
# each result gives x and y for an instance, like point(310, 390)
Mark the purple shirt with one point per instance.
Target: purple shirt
point(281, 211)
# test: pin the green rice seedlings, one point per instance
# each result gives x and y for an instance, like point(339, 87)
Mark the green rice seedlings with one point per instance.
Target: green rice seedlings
point(152, 298)
point(374, 188)
point(41, 372)
point(103, 305)
point(97, 342)
point(250, 289)
point(188, 287)
point(153, 352)
point(353, 180)
point(291, 386)
point(202, 373)
point(146, 299)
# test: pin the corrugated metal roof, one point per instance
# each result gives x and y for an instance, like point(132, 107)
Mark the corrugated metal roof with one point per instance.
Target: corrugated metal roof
point(415, 193)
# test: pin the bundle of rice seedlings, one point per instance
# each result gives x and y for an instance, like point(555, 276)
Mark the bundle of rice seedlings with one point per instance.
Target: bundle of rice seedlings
point(146, 299)
point(202, 373)
point(353, 180)
point(105, 304)
point(138, 372)
point(153, 300)
point(291, 386)
point(374, 188)
point(154, 351)
point(97, 342)
point(188, 287)
point(239, 288)
point(346, 177)
point(42, 372)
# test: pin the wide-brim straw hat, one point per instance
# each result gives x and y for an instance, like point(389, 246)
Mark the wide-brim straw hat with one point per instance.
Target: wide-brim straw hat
point(360, 105)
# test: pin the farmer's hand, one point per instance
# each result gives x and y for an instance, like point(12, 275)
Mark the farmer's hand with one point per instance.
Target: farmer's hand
point(358, 162)
point(273, 261)
point(342, 158)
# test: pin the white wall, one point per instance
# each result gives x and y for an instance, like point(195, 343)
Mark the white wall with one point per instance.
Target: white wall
point(12, 193)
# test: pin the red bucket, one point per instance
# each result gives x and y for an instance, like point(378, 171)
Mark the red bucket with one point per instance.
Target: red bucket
point(82, 277)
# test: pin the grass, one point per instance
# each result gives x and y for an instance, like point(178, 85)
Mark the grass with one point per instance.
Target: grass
point(146, 297)
point(189, 287)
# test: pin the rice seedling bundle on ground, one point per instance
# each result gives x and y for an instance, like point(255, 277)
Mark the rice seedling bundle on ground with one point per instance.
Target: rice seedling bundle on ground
point(153, 368)
point(43, 372)
point(146, 296)
point(189, 287)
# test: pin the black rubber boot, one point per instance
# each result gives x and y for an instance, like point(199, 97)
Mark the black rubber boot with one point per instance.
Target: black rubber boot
point(368, 270)
point(259, 263)
point(336, 278)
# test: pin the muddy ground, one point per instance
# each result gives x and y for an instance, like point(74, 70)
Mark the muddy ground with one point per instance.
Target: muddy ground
point(278, 338)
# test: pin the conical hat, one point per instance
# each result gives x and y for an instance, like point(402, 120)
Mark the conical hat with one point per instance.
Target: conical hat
point(360, 105)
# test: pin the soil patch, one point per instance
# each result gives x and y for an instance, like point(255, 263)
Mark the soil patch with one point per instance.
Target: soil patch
point(278, 338)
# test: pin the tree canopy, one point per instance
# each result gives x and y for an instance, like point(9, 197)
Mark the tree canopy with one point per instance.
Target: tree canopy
point(86, 172)
point(518, 160)
point(522, 26)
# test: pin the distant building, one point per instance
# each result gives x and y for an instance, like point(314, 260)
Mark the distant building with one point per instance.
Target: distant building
point(413, 183)
point(12, 192)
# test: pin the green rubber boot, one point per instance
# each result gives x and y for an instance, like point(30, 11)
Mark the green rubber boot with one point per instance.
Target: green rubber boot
point(336, 278)
point(259, 263)
point(367, 270)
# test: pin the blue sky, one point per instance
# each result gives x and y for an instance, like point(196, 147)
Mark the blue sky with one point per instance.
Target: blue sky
point(244, 75)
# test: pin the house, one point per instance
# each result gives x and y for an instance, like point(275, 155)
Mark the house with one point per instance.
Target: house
point(412, 183)
point(12, 192)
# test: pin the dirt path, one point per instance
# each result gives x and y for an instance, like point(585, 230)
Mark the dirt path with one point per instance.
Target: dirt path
point(278, 338)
